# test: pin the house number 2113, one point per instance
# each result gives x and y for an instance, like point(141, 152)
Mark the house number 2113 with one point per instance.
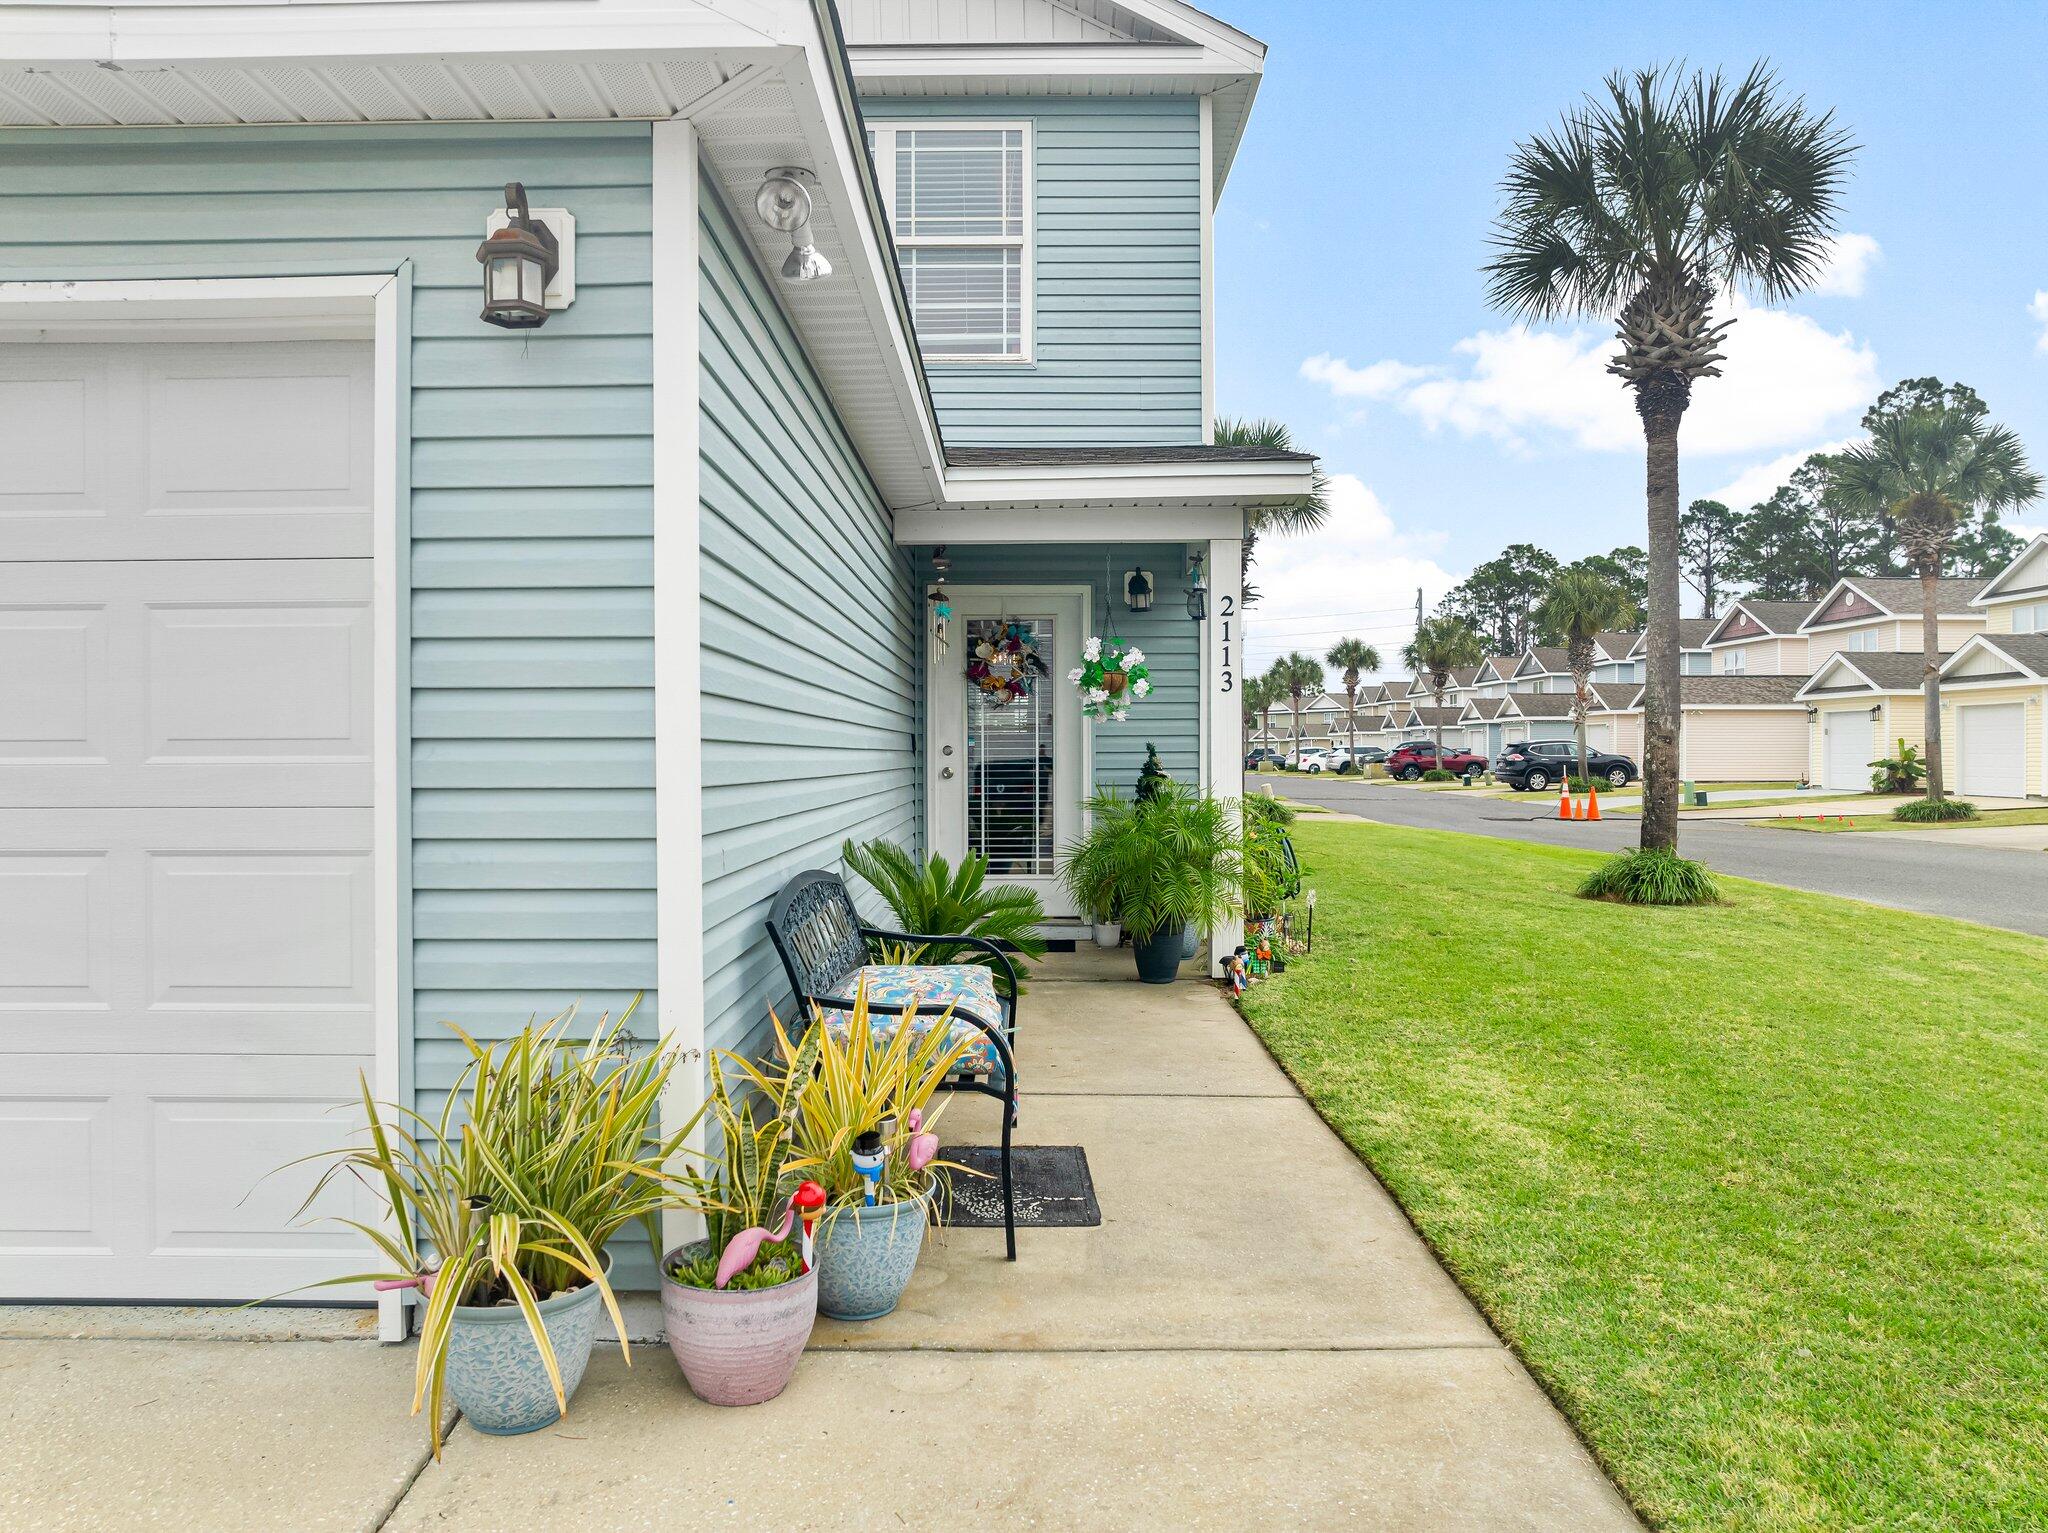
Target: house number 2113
point(1227, 608)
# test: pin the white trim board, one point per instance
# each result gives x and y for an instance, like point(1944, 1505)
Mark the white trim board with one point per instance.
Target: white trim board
point(678, 661)
point(295, 308)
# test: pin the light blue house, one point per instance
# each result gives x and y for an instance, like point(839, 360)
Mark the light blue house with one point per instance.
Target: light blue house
point(365, 665)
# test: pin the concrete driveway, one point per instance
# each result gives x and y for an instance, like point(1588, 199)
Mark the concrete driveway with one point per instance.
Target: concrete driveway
point(1253, 1337)
point(1995, 883)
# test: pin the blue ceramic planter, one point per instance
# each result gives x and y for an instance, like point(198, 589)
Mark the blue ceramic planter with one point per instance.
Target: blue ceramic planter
point(495, 1373)
point(866, 1256)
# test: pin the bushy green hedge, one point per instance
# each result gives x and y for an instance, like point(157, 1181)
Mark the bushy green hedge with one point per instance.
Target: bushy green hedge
point(1935, 811)
point(1651, 876)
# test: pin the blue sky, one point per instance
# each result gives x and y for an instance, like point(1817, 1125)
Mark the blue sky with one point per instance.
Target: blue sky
point(1351, 232)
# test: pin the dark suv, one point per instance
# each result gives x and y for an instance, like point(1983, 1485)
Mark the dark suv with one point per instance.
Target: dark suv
point(1541, 764)
point(1412, 758)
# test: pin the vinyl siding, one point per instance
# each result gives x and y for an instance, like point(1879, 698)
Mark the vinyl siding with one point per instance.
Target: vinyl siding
point(1171, 717)
point(1894, 635)
point(531, 715)
point(1743, 744)
point(1771, 655)
point(811, 636)
point(1118, 352)
point(2034, 695)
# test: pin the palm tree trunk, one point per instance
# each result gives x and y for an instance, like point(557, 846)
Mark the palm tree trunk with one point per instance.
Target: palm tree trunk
point(1351, 725)
point(1438, 696)
point(1930, 683)
point(1660, 697)
point(1579, 718)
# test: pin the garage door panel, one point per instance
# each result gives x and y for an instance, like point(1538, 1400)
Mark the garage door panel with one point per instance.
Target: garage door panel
point(259, 929)
point(176, 682)
point(57, 924)
point(61, 1156)
point(1991, 749)
point(1847, 749)
point(170, 452)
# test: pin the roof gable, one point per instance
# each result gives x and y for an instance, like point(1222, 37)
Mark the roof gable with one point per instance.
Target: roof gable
point(1863, 599)
point(1758, 620)
point(2025, 576)
point(1985, 656)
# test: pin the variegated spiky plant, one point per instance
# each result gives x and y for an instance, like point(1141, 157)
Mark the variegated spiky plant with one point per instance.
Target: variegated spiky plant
point(1646, 206)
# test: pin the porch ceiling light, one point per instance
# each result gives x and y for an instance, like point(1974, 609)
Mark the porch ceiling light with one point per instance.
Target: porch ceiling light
point(784, 203)
point(519, 261)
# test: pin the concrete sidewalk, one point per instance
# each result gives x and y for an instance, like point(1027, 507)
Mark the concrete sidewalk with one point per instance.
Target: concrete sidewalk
point(1253, 1337)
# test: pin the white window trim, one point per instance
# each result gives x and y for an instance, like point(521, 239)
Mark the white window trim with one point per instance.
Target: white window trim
point(885, 131)
point(2037, 610)
point(1735, 662)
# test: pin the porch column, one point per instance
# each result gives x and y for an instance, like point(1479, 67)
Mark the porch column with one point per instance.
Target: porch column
point(1222, 676)
point(678, 672)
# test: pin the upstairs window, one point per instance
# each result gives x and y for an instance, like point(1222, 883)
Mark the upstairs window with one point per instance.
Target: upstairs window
point(1692, 662)
point(959, 201)
point(2032, 619)
point(1734, 662)
point(1864, 640)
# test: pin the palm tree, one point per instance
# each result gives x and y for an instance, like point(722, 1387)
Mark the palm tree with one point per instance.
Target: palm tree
point(1298, 676)
point(1262, 695)
point(1442, 645)
point(1288, 517)
point(1644, 206)
point(1579, 605)
point(1352, 656)
point(1928, 471)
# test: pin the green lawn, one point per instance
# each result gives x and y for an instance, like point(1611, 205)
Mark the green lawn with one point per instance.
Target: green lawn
point(1760, 1191)
point(1882, 820)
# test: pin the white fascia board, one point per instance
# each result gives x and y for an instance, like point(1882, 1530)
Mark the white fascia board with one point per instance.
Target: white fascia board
point(1103, 63)
point(1060, 523)
point(137, 35)
point(1836, 662)
point(1197, 485)
point(1199, 26)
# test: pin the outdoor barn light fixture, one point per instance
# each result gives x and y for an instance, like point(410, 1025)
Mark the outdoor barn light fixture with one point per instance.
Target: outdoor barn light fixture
point(784, 202)
point(520, 258)
point(1197, 593)
point(1138, 590)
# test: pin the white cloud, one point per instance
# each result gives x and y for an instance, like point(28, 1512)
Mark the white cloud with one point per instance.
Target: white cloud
point(1356, 578)
point(2039, 310)
point(1850, 257)
point(1760, 480)
point(1785, 380)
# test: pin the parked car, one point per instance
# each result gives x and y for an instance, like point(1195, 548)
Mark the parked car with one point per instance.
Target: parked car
point(1537, 765)
point(1335, 759)
point(1410, 759)
point(1263, 757)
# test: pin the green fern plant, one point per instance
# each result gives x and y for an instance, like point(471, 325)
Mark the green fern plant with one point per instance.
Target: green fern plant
point(930, 895)
point(1935, 811)
point(1173, 860)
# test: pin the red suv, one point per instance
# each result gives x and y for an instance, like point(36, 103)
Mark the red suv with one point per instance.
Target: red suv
point(1410, 761)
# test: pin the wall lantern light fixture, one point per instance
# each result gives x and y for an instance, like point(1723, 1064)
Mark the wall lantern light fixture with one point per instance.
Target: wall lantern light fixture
point(1197, 593)
point(1138, 589)
point(521, 257)
point(785, 202)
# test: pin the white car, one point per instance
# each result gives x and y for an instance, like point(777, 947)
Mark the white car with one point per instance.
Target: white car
point(1335, 759)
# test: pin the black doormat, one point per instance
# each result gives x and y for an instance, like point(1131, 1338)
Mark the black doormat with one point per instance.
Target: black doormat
point(1049, 1182)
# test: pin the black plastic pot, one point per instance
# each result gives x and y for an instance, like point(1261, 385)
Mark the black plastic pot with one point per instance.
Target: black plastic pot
point(1159, 955)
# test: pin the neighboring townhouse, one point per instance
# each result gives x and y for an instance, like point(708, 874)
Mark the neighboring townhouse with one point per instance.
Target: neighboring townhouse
point(1542, 668)
point(1422, 720)
point(1862, 615)
point(1614, 657)
point(1693, 657)
point(1994, 693)
point(1859, 706)
point(1537, 716)
point(1734, 728)
point(1485, 724)
point(2016, 599)
point(392, 663)
point(1759, 638)
point(1496, 676)
point(1612, 721)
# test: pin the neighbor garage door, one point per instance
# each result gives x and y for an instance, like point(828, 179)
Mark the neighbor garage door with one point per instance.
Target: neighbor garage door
point(1846, 750)
point(186, 967)
point(1991, 749)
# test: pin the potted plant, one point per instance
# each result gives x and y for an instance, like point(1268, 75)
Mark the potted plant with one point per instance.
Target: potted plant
point(930, 895)
point(501, 1208)
point(864, 1123)
point(1163, 863)
point(738, 1305)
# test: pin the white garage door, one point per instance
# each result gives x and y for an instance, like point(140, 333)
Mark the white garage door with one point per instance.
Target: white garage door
point(186, 966)
point(1991, 750)
point(1600, 737)
point(1846, 750)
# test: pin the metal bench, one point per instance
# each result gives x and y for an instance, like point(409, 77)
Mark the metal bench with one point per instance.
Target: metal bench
point(824, 944)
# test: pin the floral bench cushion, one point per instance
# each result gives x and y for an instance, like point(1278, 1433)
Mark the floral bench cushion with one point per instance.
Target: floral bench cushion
point(969, 988)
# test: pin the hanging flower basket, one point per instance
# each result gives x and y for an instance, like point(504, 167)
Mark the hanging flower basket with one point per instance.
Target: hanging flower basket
point(1002, 668)
point(1112, 677)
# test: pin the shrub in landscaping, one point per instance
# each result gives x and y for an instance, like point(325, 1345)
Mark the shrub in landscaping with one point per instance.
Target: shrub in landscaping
point(1261, 811)
point(1935, 811)
point(1651, 876)
point(1579, 784)
point(1439, 774)
point(1898, 774)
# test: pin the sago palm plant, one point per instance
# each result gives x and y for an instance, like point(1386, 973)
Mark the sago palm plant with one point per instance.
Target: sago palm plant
point(1646, 206)
point(929, 895)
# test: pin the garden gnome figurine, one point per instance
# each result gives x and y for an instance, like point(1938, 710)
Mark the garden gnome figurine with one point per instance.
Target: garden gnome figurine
point(1235, 971)
point(1151, 776)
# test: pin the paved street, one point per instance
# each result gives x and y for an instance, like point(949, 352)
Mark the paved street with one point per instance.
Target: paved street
point(1997, 886)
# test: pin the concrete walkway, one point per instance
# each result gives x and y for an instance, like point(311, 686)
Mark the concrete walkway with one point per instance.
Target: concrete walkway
point(1253, 1337)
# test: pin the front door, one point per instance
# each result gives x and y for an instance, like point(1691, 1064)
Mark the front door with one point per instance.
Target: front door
point(1005, 778)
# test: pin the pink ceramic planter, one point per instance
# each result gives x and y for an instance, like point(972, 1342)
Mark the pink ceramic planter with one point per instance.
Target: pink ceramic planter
point(737, 1346)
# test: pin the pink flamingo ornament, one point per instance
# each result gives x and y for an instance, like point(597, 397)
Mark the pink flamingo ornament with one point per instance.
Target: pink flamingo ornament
point(924, 1147)
point(741, 1250)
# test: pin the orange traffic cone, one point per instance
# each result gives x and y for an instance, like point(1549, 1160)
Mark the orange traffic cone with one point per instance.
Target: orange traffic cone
point(1592, 801)
point(1564, 803)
